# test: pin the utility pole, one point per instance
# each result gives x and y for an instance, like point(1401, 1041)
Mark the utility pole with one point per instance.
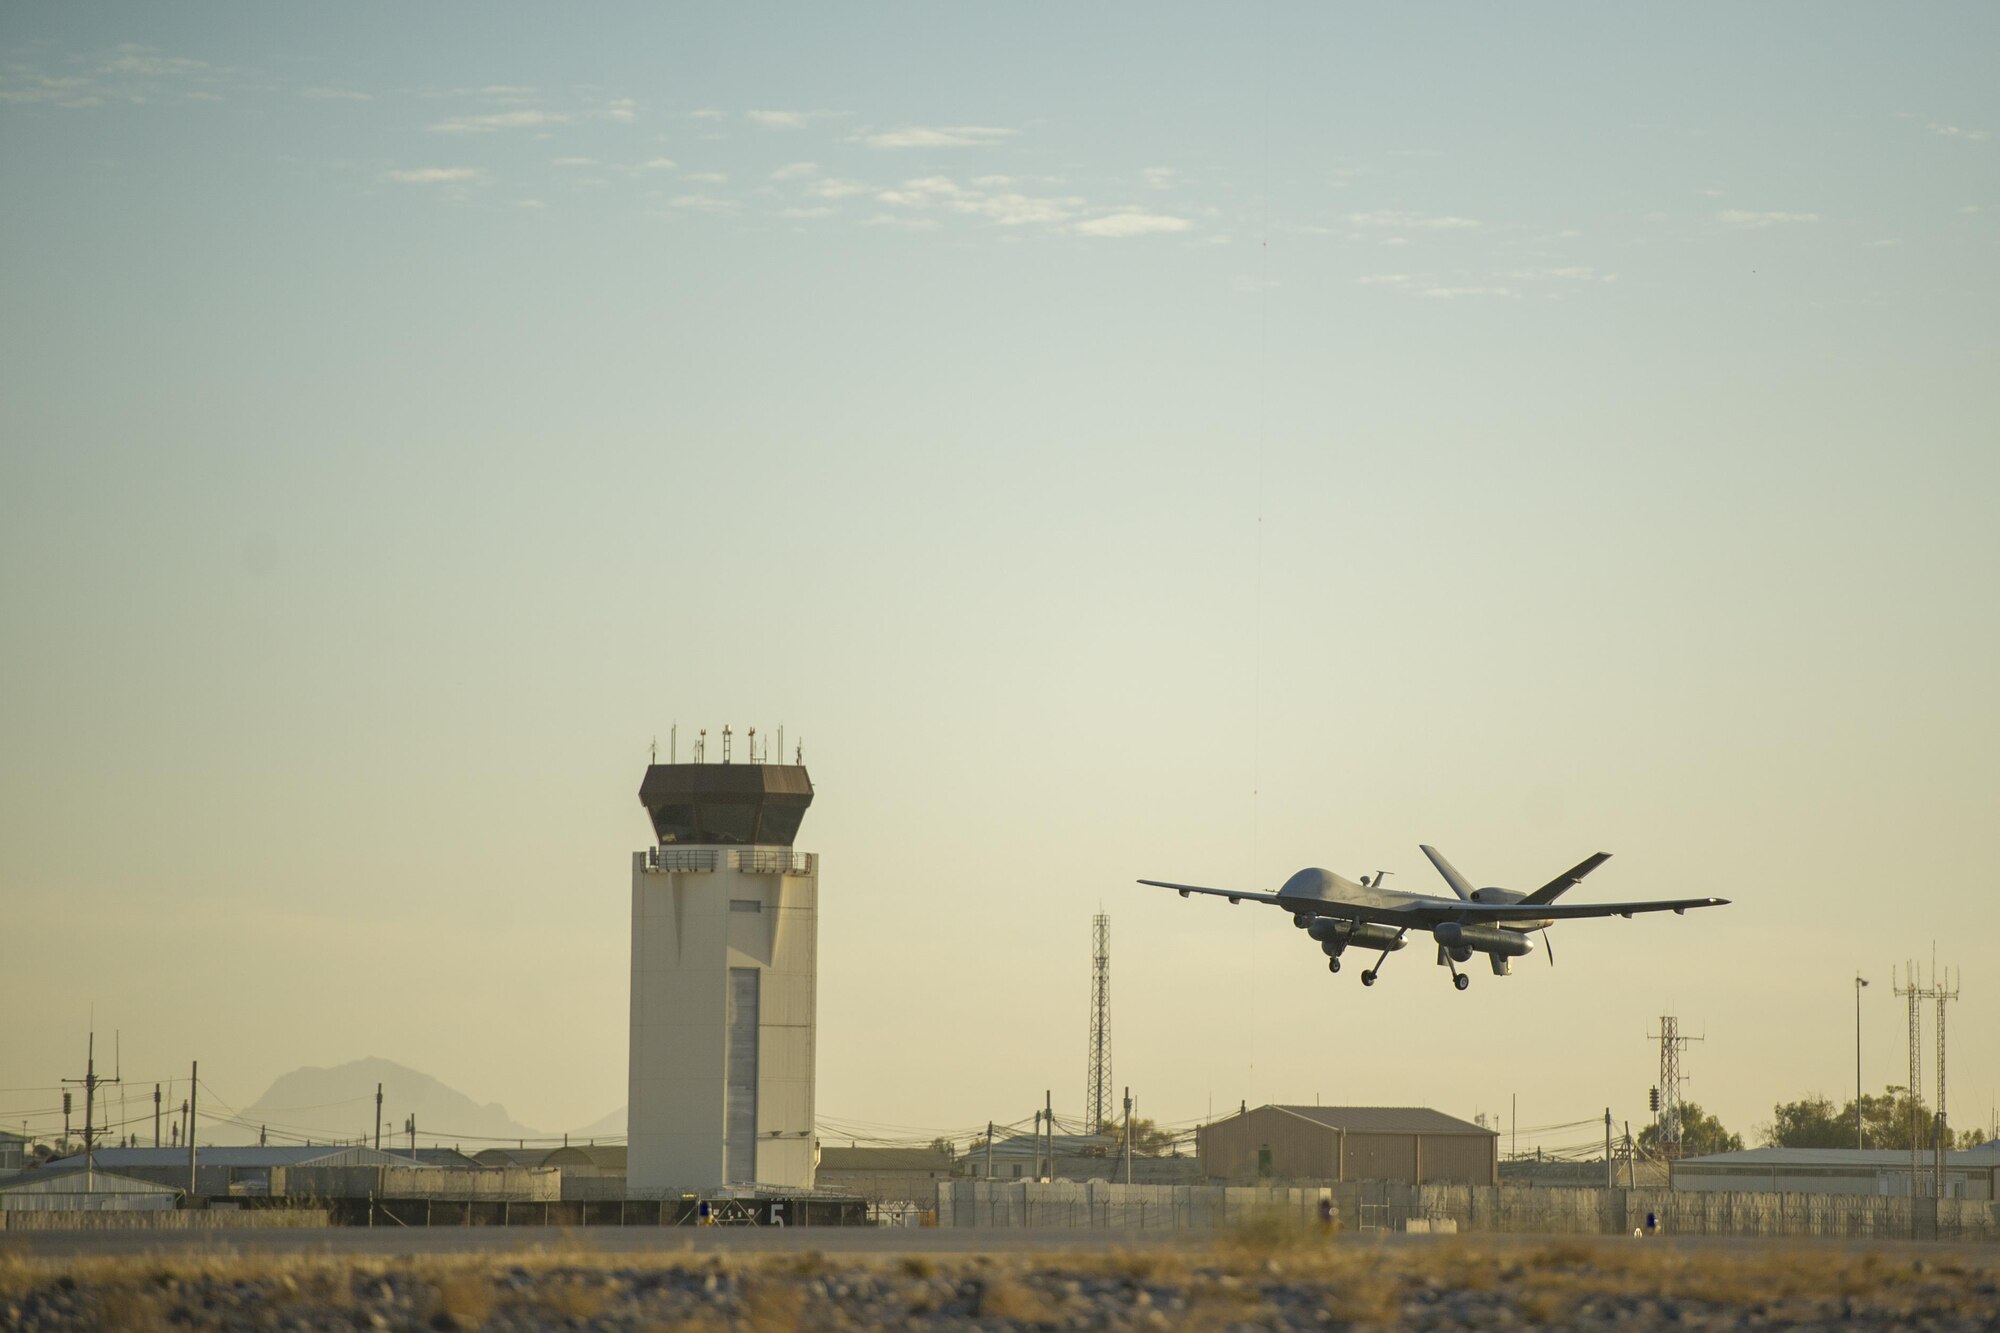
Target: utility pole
point(1631, 1160)
point(194, 1098)
point(1049, 1119)
point(378, 1117)
point(91, 1083)
point(1128, 1136)
point(1610, 1177)
point(989, 1150)
point(1514, 1125)
point(1859, 982)
point(156, 1115)
point(1097, 1095)
point(65, 1142)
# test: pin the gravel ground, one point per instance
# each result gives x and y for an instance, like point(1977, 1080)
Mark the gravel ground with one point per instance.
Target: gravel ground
point(1293, 1284)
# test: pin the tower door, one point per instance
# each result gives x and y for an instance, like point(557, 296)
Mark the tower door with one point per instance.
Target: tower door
point(739, 1110)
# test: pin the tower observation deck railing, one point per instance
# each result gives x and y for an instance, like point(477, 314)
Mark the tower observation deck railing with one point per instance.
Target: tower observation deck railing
point(774, 861)
point(748, 860)
point(680, 858)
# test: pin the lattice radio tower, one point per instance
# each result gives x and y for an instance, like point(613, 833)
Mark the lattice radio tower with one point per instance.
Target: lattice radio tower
point(1097, 1096)
point(1943, 988)
point(1672, 1043)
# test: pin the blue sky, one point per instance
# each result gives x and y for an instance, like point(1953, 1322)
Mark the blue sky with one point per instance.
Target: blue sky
point(1178, 442)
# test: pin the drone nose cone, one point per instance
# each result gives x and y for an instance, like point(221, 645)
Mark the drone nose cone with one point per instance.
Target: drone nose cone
point(1312, 882)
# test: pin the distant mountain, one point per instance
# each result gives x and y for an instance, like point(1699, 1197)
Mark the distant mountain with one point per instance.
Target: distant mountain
point(338, 1105)
point(610, 1127)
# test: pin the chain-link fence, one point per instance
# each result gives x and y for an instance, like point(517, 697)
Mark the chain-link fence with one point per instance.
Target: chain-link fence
point(1393, 1206)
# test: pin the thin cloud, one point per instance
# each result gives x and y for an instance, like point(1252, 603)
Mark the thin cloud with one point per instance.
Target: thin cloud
point(1131, 224)
point(436, 175)
point(1424, 221)
point(335, 95)
point(1456, 293)
point(707, 177)
point(573, 162)
point(792, 171)
point(1006, 208)
point(1572, 273)
point(779, 121)
point(905, 222)
point(657, 164)
point(1740, 217)
point(707, 113)
point(525, 118)
point(1954, 132)
point(835, 188)
point(821, 211)
point(623, 109)
point(1160, 178)
point(942, 136)
point(702, 203)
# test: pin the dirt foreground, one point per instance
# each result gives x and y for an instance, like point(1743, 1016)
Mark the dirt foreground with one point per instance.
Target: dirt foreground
point(1255, 1279)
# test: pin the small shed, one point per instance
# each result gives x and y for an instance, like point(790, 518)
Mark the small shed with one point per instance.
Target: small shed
point(1412, 1144)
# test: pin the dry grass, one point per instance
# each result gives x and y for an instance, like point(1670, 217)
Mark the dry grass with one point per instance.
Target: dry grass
point(466, 1297)
point(1267, 1232)
point(773, 1305)
point(1225, 1280)
point(1005, 1296)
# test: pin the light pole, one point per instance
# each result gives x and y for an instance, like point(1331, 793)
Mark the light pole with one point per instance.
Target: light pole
point(1859, 982)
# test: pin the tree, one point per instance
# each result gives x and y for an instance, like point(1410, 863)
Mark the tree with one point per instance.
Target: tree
point(1148, 1139)
point(1886, 1122)
point(945, 1146)
point(1810, 1122)
point(1701, 1133)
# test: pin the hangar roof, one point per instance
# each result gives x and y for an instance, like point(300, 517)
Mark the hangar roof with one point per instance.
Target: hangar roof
point(1870, 1159)
point(1387, 1119)
point(885, 1159)
point(322, 1154)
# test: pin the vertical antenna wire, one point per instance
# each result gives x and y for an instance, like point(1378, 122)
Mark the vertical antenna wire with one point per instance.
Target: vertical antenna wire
point(1257, 538)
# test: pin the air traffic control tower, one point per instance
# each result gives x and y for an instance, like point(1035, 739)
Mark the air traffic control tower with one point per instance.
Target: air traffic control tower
point(725, 947)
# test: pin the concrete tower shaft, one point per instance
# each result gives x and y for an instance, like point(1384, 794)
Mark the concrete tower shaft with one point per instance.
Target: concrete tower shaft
point(725, 947)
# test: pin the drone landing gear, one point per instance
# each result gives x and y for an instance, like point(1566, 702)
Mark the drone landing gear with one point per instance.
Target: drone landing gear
point(1368, 977)
point(1458, 978)
point(1333, 964)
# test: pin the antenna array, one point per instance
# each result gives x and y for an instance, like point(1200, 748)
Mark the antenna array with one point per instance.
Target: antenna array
point(1097, 1096)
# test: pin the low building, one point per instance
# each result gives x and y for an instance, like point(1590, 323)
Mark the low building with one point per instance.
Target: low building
point(322, 1172)
point(1324, 1144)
point(80, 1190)
point(1974, 1174)
point(885, 1175)
point(588, 1170)
point(1077, 1157)
point(13, 1150)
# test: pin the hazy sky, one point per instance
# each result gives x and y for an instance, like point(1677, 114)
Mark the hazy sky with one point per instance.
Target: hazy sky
point(1117, 441)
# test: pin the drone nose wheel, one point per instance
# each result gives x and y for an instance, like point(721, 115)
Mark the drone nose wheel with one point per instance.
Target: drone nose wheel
point(1461, 981)
point(1368, 977)
point(1333, 965)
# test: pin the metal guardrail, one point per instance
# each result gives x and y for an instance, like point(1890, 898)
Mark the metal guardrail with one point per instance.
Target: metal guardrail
point(679, 859)
point(774, 861)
